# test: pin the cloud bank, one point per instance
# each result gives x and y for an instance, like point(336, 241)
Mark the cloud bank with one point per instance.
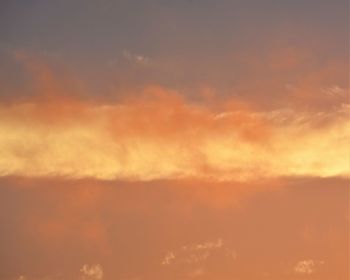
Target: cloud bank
point(158, 134)
point(161, 135)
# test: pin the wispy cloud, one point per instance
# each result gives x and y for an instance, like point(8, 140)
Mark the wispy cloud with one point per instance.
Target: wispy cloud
point(87, 272)
point(169, 257)
point(307, 266)
point(93, 272)
point(136, 58)
point(199, 252)
point(335, 91)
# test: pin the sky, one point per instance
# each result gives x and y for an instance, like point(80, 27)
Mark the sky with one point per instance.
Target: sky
point(174, 140)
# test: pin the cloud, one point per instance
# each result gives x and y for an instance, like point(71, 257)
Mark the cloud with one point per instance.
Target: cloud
point(199, 252)
point(209, 245)
point(168, 258)
point(335, 91)
point(161, 135)
point(307, 266)
point(93, 272)
point(136, 58)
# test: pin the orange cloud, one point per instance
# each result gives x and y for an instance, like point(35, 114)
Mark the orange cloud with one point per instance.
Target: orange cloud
point(163, 136)
point(160, 135)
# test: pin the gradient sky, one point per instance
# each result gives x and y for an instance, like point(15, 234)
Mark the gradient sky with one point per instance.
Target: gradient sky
point(174, 140)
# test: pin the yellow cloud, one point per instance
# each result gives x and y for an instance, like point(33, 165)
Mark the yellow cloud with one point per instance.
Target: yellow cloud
point(163, 136)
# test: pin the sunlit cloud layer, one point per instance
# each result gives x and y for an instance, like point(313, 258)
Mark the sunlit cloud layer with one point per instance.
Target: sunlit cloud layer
point(161, 135)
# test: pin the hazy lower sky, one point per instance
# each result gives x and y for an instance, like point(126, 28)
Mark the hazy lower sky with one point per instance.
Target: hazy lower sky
point(174, 140)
